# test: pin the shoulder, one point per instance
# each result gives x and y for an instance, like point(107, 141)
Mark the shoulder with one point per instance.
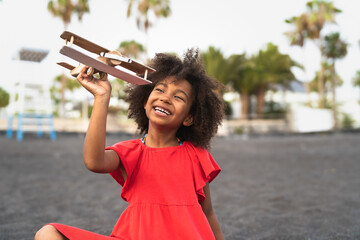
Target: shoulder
point(197, 150)
point(205, 168)
point(125, 148)
point(133, 143)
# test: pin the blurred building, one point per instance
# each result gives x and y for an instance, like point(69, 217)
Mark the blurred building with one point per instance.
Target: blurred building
point(299, 116)
point(30, 107)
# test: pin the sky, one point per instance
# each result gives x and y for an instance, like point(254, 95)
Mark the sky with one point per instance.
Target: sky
point(233, 26)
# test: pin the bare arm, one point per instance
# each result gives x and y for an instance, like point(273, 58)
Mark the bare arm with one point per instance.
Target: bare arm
point(96, 158)
point(210, 215)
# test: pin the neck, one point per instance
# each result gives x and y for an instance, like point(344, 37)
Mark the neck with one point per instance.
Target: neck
point(158, 139)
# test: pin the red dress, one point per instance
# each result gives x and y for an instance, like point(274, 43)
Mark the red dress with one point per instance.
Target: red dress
point(163, 188)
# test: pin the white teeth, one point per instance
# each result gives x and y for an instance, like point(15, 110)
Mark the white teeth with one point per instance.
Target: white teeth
point(162, 110)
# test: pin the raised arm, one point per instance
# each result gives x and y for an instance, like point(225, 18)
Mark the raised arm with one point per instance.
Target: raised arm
point(96, 158)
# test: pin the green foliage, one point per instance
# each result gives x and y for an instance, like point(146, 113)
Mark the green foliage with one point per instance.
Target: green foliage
point(131, 48)
point(313, 85)
point(228, 109)
point(253, 75)
point(55, 94)
point(334, 47)
point(239, 130)
point(70, 83)
point(319, 13)
point(272, 107)
point(273, 67)
point(347, 122)
point(274, 110)
point(118, 87)
point(356, 79)
point(4, 98)
point(238, 72)
point(215, 64)
point(300, 33)
point(65, 8)
point(263, 70)
point(310, 23)
point(160, 8)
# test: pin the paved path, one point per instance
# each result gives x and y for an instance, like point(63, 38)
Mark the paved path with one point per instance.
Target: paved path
point(294, 187)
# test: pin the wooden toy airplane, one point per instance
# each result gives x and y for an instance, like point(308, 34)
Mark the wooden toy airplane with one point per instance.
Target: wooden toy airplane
point(106, 62)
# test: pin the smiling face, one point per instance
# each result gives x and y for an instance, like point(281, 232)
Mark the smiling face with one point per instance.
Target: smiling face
point(169, 104)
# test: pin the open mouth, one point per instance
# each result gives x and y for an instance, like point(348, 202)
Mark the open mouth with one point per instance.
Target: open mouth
point(162, 110)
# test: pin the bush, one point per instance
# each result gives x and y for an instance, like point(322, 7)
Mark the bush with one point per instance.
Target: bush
point(274, 110)
point(239, 130)
point(4, 98)
point(347, 122)
point(228, 109)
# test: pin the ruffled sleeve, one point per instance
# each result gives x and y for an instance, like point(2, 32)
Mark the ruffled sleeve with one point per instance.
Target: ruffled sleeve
point(205, 170)
point(129, 154)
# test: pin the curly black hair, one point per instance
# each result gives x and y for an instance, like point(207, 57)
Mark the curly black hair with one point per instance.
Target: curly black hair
point(207, 108)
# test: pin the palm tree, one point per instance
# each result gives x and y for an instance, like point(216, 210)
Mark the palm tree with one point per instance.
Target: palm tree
point(271, 68)
point(300, 33)
point(160, 8)
point(215, 64)
point(297, 37)
point(131, 49)
point(309, 25)
point(313, 85)
point(240, 76)
point(334, 48)
point(71, 84)
point(231, 72)
point(320, 12)
point(64, 9)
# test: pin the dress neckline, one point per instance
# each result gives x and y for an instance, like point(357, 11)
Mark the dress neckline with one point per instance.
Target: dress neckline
point(160, 148)
point(144, 137)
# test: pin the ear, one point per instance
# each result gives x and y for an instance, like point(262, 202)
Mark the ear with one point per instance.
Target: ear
point(189, 120)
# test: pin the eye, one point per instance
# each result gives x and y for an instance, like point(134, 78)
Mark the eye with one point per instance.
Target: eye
point(180, 98)
point(159, 90)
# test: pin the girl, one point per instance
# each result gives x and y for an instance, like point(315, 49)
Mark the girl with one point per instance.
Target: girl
point(166, 174)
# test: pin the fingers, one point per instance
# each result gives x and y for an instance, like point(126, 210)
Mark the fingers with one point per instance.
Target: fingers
point(83, 74)
point(86, 73)
point(103, 76)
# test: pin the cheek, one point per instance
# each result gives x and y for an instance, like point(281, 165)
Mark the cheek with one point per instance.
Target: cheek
point(146, 107)
point(147, 100)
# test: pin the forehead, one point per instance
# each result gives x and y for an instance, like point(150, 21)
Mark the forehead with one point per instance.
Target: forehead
point(181, 84)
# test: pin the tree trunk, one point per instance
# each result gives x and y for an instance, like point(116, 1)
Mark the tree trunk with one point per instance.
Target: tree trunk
point(305, 80)
point(321, 86)
point(244, 97)
point(321, 79)
point(333, 89)
point(260, 101)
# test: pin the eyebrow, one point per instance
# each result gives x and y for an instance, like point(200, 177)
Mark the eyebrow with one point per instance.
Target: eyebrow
point(178, 90)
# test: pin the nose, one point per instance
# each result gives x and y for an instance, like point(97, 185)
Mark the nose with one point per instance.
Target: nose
point(165, 99)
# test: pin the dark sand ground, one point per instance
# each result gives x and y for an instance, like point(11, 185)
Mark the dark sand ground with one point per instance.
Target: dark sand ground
point(293, 187)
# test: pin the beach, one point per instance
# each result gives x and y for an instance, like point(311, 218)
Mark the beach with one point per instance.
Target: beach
point(271, 187)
